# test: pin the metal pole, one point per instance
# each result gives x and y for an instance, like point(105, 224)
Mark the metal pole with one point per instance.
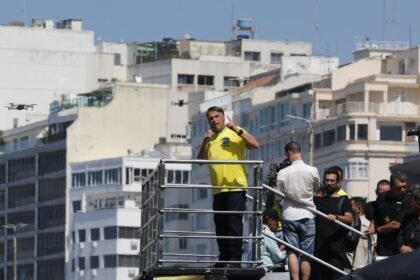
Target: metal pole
point(14, 254)
point(311, 145)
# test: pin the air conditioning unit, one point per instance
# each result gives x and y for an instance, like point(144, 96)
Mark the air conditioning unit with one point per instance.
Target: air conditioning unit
point(132, 273)
point(81, 272)
point(134, 245)
point(94, 272)
point(94, 244)
point(82, 245)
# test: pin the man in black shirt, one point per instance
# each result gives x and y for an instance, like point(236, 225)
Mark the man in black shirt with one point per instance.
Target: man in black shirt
point(381, 187)
point(409, 238)
point(329, 237)
point(390, 213)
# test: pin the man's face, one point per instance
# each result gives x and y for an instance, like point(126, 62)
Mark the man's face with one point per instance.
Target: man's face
point(330, 183)
point(383, 188)
point(398, 188)
point(354, 206)
point(272, 224)
point(216, 120)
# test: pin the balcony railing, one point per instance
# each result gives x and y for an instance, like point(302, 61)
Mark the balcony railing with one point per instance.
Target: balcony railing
point(348, 107)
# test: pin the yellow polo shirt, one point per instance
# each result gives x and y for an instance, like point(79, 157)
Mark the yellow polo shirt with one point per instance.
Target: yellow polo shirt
point(227, 145)
point(341, 192)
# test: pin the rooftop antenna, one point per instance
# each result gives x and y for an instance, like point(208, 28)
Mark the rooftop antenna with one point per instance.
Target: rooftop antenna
point(385, 21)
point(394, 21)
point(316, 43)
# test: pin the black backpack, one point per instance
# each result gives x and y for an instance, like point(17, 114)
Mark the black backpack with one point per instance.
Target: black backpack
point(352, 239)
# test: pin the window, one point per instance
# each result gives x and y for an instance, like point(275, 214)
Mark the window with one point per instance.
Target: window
point(402, 67)
point(110, 232)
point(94, 234)
point(113, 176)
point(307, 110)
point(276, 58)
point(21, 169)
point(52, 269)
point(357, 170)
point(184, 79)
point(185, 177)
point(128, 261)
point(78, 180)
point(73, 264)
point(129, 232)
point(182, 243)
point(21, 195)
point(390, 133)
point(329, 137)
point(51, 162)
point(117, 59)
point(81, 263)
point(352, 131)
point(50, 189)
point(201, 221)
point(82, 235)
point(362, 132)
point(252, 56)
point(94, 262)
point(51, 216)
point(231, 82)
point(201, 193)
point(341, 133)
point(318, 140)
point(205, 80)
point(73, 237)
point(50, 243)
point(77, 206)
point(94, 178)
point(110, 260)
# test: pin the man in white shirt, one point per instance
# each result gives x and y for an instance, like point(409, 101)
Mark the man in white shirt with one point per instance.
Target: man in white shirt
point(299, 181)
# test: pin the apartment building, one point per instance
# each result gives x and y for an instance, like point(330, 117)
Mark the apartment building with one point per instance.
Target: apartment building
point(359, 115)
point(50, 61)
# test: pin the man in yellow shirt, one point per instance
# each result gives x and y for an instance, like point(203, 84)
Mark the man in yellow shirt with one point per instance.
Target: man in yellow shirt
point(227, 142)
point(340, 171)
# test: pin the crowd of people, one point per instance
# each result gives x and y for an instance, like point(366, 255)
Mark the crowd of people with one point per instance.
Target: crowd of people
point(390, 223)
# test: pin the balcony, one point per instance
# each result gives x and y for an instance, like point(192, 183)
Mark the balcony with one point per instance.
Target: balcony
point(347, 108)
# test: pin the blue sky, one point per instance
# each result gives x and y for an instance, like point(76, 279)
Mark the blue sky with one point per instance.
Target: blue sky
point(139, 20)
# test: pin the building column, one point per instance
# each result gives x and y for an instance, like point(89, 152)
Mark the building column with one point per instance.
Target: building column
point(366, 103)
point(384, 102)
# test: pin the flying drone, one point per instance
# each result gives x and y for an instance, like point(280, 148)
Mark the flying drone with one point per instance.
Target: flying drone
point(19, 107)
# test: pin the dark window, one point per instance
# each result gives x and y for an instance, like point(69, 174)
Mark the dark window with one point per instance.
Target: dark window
point(205, 80)
point(77, 205)
point(73, 264)
point(202, 193)
point(129, 232)
point(117, 59)
point(252, 56)
point(178, 177)
point(73, 237)
point(51, 216)
point(182, 242)
point(362, 132)
point(95, 178)
point(352, 131)
point(170, 179)
point(318, 140)
point(78, 180)
point(94, 234)
point(51, 162)
point(110, 260)
point(2, 173)
point(329, 137)
point(50, 243)
point(184, 79)
point(24, 217)
point(82, 235)
point(341, 133)
point(51, 269)
point(390, 133)
point(21, 195)
point(25, 271)
point(51, 189)
point(25, 248)
point(2, 199)
point(94, 262)
point(231, 82)
point(185, 177)
point(128, 261)
point(276, 58)
point(21, 168)
point(110, 232)
point(81, 263)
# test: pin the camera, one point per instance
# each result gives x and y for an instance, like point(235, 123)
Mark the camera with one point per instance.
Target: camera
point(275, 168)
point(413, 131)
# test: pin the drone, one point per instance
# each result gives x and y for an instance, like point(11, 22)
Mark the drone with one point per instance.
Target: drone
point(180, 103)
point(19, 107)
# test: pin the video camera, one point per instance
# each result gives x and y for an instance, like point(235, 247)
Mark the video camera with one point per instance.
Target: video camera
point(275, 168)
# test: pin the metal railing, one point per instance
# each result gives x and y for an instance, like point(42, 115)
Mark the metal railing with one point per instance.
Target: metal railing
point(155, 254)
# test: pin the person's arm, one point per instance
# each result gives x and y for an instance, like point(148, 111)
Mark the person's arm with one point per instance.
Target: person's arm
point(346, 218)
point(273, 249)
point(389, 227)
point(402, 244)
point(205, 144)
point(250, 141)
point(317, 181)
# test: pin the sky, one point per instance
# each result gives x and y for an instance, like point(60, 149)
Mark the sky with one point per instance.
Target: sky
point(338, 21)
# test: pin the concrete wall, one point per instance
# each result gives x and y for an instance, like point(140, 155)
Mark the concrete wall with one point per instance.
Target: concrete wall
point(132, 120)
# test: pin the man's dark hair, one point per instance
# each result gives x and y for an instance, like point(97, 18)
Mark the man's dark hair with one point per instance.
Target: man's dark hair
point(270, 213)
point(332, 171)
point(360, 202)
point(397, 176)
point(416, 195)
point(293, 147)
point(382, 182)
point(339, 170)
point(215, 109)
